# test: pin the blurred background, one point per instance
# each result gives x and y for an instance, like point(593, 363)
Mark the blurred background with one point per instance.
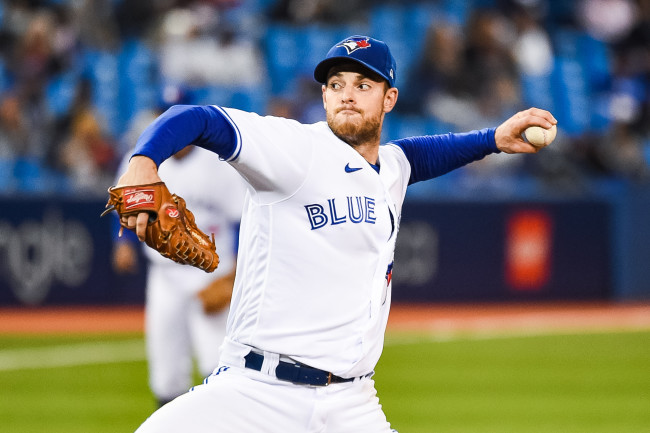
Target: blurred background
point(542, 242)
point(80, 79)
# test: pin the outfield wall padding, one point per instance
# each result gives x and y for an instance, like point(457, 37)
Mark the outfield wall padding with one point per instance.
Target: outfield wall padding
point(57, 252)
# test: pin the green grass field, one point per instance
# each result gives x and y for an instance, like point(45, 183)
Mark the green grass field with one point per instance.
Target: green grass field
point(589, 383)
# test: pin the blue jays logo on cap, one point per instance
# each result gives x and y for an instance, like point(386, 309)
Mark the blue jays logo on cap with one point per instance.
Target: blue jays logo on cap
point(368, 52)
point(354, 44)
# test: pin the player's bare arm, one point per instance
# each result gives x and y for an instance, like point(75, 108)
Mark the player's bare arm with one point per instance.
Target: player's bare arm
point(508, 136)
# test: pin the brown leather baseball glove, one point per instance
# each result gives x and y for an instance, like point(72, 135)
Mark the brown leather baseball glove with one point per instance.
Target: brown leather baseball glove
point(171, 229)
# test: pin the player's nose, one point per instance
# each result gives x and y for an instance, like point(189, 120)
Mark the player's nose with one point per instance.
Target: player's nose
point(347, 94)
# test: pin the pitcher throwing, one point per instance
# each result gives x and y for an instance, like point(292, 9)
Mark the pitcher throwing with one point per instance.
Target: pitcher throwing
point(321, 215)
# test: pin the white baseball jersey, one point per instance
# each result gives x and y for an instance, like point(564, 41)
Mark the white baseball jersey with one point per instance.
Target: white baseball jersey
point(316, 246)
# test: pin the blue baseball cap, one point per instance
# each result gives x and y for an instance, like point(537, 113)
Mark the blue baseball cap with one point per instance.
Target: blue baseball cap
point(369, 52)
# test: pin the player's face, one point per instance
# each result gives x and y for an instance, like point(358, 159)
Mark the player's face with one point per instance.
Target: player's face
point(355, 105)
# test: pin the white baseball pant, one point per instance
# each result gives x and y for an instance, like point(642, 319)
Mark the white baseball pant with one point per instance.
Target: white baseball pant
point(241, 400)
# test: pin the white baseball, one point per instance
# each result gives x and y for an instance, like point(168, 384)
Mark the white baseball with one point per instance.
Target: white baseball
point(540, 137)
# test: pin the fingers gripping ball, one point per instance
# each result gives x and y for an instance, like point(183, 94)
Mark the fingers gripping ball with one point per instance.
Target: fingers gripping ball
point(540, 137)
point(171, 229)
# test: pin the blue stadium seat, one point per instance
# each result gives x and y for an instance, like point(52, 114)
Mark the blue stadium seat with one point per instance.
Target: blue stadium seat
point(316, 42)
point(247, 98)
point(4, 76)
point(537, 91)
point(566, 42)
point(7, 180)
point(419, 17)
point(55, 181)
point(572, 96)
point(211, 95)
point(60, 92)
point(596, 58)
point(403, 28)
point(101, 67)
point(28, 173)
point(252, 98)
point(294, 51)
point(581, 78)
point(138, 80)
point(283, 50)
point(387, 23)
point(248, 17)
point(398, 126)
point(458, 11)
point(646, 152)
point(593, 55)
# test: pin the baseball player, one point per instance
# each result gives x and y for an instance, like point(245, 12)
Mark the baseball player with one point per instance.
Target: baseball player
point(186, 309)
point(321, 215)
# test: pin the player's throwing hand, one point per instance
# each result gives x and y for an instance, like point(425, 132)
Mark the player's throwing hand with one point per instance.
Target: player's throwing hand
point(508, 135)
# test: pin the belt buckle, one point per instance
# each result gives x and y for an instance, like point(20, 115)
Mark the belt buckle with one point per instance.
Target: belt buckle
point(329, 378)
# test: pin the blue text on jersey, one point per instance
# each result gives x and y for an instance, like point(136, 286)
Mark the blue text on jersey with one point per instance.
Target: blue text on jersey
point(358, 209)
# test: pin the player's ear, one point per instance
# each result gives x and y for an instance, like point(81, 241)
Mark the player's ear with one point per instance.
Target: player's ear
point(324, 89)
point(390, 99)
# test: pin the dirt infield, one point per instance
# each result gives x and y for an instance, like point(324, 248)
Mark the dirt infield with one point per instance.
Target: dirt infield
point(520, 318)
point(71, 320)
point(442, 319)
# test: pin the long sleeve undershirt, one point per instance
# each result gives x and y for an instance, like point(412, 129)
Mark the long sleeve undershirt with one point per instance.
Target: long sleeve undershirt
point(434, 155)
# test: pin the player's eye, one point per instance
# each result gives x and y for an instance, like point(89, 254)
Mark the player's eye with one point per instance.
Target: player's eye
point(364, 86)
point(335, 85)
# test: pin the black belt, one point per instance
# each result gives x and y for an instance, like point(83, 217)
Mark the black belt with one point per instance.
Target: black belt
point(296, 373)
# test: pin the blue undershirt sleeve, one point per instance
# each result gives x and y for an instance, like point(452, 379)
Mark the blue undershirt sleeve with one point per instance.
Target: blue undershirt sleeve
point(434, 155)
point(181, 125)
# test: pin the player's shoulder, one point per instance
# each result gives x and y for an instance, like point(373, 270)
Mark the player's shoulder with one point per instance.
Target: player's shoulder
point(391, 150)
point(393, 156)
point(238, 116)
point(241, 116)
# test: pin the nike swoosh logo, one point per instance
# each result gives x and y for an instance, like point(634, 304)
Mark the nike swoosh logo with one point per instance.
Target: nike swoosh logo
point(349, 169)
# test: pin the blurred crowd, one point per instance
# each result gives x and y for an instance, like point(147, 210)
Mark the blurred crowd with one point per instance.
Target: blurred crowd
point(80, 79)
